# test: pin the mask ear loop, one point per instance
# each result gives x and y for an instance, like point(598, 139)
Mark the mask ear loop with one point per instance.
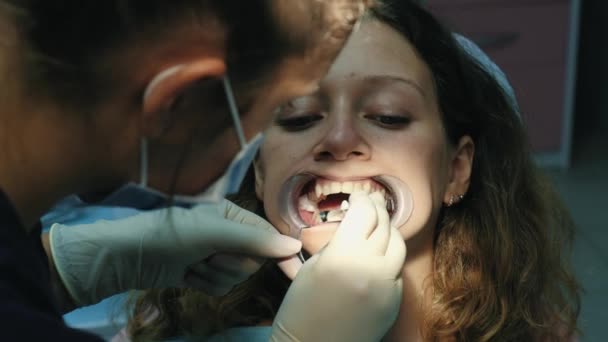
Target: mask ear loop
point(143, 148)
point(143, 162)
point(234, 112)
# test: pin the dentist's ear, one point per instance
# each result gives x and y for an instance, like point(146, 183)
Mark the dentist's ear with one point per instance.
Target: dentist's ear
point(167, 86)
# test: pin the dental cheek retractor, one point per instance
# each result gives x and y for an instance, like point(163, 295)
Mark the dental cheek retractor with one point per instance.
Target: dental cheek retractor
point(288, 207)
point(399, 202)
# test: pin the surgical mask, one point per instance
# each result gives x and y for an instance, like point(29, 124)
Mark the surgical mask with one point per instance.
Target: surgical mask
point(141, 196)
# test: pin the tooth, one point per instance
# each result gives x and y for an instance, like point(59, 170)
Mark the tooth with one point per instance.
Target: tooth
point(347, 187)
point(335, 187)
point(334, 215)
point(305, 204)
point(367, 187)
point(357, 187)
point(318, 190)
point(344, 206)
point(327, 189)
point(311, 196)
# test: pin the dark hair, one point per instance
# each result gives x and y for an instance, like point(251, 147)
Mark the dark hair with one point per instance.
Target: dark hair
point(67, 43)
point(501, 269)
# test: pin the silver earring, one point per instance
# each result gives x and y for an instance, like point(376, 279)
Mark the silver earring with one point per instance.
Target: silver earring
point(451, 201)
point(460, 197)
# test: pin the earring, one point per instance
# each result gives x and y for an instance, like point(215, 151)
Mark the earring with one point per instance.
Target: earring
point(455, 199)
point(451, 201)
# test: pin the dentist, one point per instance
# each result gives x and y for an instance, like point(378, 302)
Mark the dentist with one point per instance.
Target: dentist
point(135, 96)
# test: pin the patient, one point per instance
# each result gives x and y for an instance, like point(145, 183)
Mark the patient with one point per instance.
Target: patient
point(487, 238)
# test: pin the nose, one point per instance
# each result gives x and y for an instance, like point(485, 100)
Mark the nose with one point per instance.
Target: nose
point(342, 141)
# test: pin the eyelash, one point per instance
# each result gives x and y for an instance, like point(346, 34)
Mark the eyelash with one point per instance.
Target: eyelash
point(302, 122)
point(390, 121)
point(298, 123)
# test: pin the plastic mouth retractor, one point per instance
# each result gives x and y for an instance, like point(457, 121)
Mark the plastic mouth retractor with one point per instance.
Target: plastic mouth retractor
point(288, 209)
point(400, 194)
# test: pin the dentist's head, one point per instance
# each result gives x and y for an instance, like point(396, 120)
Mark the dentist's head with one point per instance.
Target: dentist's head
point(85, 84)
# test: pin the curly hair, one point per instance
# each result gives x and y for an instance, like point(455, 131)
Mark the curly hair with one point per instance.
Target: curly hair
point(501, 256)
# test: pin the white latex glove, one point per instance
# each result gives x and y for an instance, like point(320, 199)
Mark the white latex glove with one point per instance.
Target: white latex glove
point(351, 290)
point(170, 247)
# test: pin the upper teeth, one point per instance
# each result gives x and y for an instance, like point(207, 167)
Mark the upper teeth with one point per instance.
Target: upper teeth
point(345, 205)
point(323, 188)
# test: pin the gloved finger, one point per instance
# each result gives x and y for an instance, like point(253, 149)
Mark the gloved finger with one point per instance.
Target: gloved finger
point(395, 254)
point(234, 264)
point(358, 223)
point(379, 239)
point(237, 214)
point(290, 266)
point(206, 285)
point(252, 240)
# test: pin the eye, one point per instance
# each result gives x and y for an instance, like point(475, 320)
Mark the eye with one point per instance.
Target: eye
point(298, 123)
point(394, 121)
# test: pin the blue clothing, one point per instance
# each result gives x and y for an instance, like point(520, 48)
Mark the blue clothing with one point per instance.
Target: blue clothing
point(249, 334)
point(72, 211)
point(27, 309)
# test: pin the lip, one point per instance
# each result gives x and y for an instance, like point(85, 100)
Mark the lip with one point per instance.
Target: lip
point(293, 187)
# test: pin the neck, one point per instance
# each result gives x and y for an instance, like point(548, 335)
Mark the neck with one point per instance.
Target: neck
point(418, 267)
point(36, 162)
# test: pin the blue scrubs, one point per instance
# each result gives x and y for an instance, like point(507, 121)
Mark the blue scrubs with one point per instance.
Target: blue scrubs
point(28, 311)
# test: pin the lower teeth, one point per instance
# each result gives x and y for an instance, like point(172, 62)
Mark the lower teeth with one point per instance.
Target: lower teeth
point(335, 215)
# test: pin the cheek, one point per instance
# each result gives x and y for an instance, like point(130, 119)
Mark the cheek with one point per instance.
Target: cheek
point(427, 179)
point(423, 212)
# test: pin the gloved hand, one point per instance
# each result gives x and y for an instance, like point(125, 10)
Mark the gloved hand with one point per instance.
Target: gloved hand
point(165, 248)
point(351, 290)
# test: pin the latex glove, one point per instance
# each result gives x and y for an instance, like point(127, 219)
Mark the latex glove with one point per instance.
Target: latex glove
point(165, 248)
point(351, 290)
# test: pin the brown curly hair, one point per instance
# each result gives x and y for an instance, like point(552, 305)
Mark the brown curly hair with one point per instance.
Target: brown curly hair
point(501, 256)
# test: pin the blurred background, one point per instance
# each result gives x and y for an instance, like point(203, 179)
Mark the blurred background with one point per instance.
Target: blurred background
point(555, 54)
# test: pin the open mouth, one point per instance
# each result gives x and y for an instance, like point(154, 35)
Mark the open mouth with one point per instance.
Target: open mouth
point(321, 200)
point(307, 200)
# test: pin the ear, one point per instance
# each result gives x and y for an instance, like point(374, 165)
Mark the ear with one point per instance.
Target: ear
point(461, 167)
point(259, 178)
point(169, 84)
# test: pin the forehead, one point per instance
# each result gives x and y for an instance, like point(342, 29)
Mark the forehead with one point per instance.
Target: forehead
point(376, 49)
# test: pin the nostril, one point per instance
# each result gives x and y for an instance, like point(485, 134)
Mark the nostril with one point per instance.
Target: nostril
point(326, 155)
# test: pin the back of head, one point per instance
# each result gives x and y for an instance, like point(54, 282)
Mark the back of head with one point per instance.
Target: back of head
point(68, 46)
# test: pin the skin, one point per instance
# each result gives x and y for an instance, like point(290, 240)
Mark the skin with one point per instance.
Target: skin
point(346, 137)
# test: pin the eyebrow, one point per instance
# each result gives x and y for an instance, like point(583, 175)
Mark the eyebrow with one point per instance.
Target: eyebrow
point(384, 78)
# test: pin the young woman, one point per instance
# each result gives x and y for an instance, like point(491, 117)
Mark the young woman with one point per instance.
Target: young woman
point(488, 240)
